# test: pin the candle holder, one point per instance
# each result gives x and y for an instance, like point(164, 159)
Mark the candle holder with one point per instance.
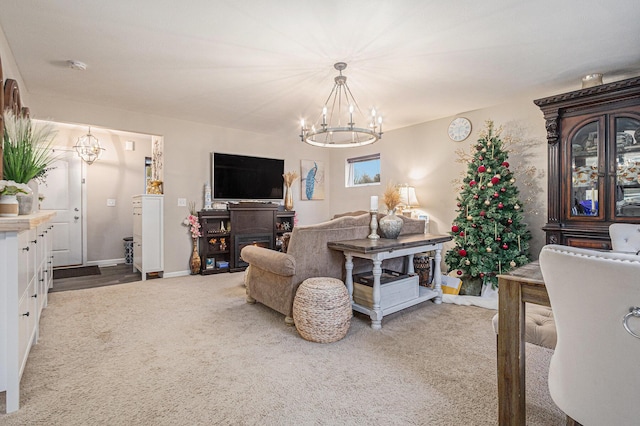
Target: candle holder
point(374, 225)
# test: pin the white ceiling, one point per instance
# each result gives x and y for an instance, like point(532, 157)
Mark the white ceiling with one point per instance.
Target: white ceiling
point(262, 65)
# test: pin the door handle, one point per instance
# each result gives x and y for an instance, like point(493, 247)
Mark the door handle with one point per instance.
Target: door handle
point(76, 210)
point(76, 217)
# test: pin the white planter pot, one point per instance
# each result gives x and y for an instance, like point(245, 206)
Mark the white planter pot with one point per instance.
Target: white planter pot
point(8, 206)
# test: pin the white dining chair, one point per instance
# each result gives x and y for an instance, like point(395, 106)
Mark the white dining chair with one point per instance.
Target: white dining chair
point(594, 372)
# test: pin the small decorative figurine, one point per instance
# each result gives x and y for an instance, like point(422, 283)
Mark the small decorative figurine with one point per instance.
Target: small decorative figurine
point(207, 196)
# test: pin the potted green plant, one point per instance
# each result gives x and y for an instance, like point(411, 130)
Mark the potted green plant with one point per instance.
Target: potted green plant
point(9, 191)
point(28, 152)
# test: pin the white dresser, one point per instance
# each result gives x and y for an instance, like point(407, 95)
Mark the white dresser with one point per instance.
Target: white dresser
point(26, 274)
point(148, 236)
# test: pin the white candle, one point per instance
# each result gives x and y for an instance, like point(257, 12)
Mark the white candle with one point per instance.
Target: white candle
point(374, 202)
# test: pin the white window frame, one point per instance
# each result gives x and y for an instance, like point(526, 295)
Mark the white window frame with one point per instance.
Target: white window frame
point(349, 170)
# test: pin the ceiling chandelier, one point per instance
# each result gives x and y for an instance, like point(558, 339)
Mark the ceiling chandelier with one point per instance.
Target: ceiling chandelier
point(336, 127)
point(88, 148)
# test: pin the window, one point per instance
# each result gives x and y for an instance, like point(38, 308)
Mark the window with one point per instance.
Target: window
point(365, 170)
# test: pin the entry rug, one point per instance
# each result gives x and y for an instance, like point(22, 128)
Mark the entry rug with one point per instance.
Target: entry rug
point(80, 271)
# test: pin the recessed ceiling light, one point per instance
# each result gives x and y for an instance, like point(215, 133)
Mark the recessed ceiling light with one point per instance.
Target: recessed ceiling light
point(77, 65)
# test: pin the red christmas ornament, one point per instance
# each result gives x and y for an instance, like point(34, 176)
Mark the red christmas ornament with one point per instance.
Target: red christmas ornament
point(505, 246)
point(500, 205)
point(483, 187)
point(498, 239)
point(495, 180)
point(481, 274)
point(482, 213)
point(482, 169)
point(462, 233)
point(509, 221)
point(478, 147)
point(473, 182)
point(459, 272)
point(496, 195)
point(462, 252)
point(503, 189)
point(475, 196)
point(459, 204)
point(455, 228)
point(481, 158)
point(505, 164)
point(474, 225)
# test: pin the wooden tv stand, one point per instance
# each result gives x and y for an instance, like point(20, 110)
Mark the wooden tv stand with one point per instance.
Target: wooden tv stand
point(225, 232)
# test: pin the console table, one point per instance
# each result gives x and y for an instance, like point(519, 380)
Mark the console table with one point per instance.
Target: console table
point(381, 249)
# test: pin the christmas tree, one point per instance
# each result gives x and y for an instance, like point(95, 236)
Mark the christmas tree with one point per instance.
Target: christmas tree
point(489, 233)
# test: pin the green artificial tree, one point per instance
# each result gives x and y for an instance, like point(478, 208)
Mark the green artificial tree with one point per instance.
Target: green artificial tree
point(489, 233)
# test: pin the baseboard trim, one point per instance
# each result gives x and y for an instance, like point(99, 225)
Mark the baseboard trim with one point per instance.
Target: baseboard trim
point(106, 262)
point(176, 274)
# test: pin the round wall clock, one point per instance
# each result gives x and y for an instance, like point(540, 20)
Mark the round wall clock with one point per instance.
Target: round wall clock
point(459, 129)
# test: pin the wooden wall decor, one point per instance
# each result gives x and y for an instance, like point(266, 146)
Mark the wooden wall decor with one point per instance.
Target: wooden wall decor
point(9, 99)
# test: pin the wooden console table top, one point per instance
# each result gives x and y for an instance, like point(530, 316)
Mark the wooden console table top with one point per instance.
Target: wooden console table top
point(366, 245)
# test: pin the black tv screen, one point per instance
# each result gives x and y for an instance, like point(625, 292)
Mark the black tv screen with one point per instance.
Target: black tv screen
point(240, 177)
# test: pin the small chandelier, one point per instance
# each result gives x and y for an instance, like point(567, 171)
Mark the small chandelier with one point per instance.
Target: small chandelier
point(88, 148)
point(335, 127)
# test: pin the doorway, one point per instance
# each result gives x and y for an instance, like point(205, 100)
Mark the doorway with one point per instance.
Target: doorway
point(94, 202)
point(62, 193)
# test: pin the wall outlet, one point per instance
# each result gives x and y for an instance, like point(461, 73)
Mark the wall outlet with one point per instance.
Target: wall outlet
point(182, 202)
point(111, 202)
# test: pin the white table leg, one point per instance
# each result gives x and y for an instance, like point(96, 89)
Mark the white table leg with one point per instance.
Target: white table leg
point(437, 275)
point(376, 312)
point(410, 269)
point(348, 267)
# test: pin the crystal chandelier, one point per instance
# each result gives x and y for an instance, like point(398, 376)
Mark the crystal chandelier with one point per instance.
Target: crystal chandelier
point(336, 127)
point(88, 148)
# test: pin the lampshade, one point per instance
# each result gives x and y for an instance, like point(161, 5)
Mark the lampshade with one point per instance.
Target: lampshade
point(408, 197)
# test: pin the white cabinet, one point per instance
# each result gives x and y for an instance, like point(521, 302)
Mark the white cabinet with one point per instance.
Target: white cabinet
point(24, 282)
point(148, 236)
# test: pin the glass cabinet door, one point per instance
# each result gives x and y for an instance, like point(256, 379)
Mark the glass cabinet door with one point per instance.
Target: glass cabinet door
point(627, 161)
point(586, 152)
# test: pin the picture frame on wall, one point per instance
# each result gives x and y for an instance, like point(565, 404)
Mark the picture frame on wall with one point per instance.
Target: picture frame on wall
point(312, 178)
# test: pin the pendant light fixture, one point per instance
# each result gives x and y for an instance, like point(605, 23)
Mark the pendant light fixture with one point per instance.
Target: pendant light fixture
point(88, 148)
point(336, 127)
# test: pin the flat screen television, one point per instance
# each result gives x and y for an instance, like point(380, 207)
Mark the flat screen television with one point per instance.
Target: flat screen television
point(240, 177)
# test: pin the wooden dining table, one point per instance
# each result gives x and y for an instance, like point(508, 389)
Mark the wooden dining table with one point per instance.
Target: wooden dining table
point(519, 286)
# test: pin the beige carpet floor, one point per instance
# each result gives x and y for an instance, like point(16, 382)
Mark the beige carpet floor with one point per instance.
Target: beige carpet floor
point(190, 351)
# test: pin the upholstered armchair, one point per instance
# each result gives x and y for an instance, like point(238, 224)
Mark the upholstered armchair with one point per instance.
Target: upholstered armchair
point(272, 278)
point(625, 237)
point(594, 371)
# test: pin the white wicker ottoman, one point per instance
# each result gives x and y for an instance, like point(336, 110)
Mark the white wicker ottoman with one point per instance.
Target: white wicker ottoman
point(322, 310)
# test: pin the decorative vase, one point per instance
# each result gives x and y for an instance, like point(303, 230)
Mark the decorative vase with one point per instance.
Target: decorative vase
point(155, 187)
point(9, 206)
point(288, 199)
point(194, 262)
point(25, 203)
point(390, 225)
point(35, 193)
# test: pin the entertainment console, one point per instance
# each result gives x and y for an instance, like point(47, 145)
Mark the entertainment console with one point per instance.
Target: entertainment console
point(226, 232)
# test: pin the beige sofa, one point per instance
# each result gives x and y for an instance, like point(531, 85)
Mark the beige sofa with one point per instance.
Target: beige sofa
point(272, 277)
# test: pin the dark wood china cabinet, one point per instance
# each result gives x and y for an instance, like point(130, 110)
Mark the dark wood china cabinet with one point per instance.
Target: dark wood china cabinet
point(594, 162)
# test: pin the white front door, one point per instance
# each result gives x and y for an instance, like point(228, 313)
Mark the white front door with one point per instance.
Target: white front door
point(63, 193)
